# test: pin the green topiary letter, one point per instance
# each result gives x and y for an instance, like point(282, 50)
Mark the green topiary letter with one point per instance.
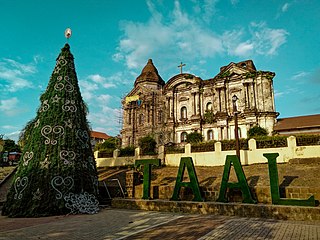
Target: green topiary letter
point(193, 184)
point(147, 174)
point(242, 181)
point(274, 185)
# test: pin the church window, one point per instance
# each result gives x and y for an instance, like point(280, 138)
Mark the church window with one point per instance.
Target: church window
point(210, 135)
point(209, 106)
point(183, 113)
point(183, 137)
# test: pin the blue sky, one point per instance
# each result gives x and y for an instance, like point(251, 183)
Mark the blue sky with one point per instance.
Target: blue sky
point(113, 40)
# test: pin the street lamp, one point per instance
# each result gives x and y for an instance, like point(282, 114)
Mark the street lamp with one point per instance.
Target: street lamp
point(236, 132)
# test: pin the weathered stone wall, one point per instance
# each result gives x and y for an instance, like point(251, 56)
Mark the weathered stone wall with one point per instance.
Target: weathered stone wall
point(229, 209)
point(260, 193)
point(155, 105)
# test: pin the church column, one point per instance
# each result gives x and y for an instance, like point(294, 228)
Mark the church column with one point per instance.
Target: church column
point(246, 95)
point(253, 92)
point(223, 100)
point(194, 104)
point(219, 98)
point(169, 108)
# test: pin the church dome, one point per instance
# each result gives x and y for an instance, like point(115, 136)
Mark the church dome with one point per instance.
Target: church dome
point(149, 74)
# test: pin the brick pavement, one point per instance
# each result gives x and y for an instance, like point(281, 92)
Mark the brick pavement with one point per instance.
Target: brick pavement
point(129, 224)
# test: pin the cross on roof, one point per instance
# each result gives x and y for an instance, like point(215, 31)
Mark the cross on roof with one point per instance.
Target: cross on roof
point(180, 66)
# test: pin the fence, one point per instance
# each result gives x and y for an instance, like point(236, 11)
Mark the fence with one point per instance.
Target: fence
point(215, 155)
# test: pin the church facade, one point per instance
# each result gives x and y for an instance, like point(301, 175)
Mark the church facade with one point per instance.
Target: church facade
point(186, 103)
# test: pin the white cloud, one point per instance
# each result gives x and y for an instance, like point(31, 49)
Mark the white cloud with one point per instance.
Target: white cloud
point(244, 49)
point(181, 33)
point(13, 135)
point(278, 94)
point(8, 106)
point(92, 83)
point(15, 74)
point(188, 34)
point(285, 7)
point(97, 78)
point(87, 89)
point(105, 98)
point(106, 120)
point(8, 127)
point(300, 75)
point(267, 40)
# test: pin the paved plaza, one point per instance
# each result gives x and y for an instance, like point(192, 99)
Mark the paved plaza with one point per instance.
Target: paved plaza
point(128, 224)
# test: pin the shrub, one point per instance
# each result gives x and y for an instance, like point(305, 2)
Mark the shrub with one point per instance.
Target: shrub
point(209, 116)
point(231, 144)
point(147, 145)
point(194, 137)
point(127, 151)
point(174, 149)
point(257, 131)
point(203, 147)
point(108, 145)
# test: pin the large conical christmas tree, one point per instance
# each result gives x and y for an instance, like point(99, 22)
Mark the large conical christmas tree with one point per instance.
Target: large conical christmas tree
point(57, 173)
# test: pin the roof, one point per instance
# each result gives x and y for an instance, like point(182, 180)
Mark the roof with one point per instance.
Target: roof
point(149, 74)
point(100, 135)
point(310, 121)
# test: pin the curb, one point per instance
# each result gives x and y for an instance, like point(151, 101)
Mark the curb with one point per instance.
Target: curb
point(278, 212)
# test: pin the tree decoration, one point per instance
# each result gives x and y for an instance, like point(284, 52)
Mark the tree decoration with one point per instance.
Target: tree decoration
point(57, 172)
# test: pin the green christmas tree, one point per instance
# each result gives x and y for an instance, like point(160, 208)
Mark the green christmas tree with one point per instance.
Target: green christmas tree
point(57, 172)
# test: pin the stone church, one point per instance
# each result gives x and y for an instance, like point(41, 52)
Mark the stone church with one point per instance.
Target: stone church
point(170, 110)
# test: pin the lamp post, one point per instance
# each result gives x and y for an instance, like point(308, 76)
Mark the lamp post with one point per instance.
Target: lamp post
point(236, 132)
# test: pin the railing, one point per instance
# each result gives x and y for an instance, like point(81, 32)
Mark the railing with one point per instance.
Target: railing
point(203, 147)
point(227, 145)
point(105, 154)
point(308, 140)
point(172, 150)
point(274, 142)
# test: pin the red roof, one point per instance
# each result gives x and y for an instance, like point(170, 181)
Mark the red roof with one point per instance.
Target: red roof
point(301, 122)
point(99, 135)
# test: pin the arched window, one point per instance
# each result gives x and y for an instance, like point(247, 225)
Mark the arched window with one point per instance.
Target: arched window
point(210, 135)
point(183, 137)
point(209, 106)
point(141, 119)
point(183, 113)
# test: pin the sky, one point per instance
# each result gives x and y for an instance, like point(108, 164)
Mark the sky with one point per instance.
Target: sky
point(113, 40)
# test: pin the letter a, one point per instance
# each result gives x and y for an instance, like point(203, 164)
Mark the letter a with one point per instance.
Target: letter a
point(193, 184)
point(242, 181)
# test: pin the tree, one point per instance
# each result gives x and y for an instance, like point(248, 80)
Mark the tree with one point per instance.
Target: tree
point(257, 131)
point(194, 137)
point(10, 146)
point(109, 144)
point(57, 173)
point(147, 145)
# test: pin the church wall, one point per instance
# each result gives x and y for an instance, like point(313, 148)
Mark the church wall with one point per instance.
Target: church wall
point(176, 107)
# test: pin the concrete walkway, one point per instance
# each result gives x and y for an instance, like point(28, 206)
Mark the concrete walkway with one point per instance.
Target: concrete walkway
point(129, 224)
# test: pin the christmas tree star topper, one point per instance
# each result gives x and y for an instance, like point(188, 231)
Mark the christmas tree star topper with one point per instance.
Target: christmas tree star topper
point(68, 33)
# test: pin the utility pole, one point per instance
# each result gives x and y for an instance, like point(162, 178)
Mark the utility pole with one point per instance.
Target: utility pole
point(236, 132)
